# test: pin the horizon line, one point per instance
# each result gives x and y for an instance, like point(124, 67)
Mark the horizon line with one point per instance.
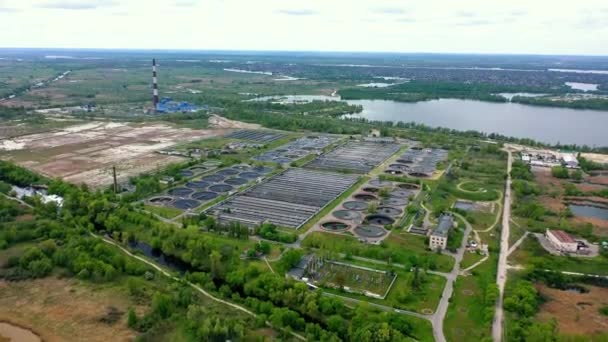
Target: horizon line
point(306, 51)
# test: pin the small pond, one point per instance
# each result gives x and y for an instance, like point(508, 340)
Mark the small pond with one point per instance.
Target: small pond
point(589, 211)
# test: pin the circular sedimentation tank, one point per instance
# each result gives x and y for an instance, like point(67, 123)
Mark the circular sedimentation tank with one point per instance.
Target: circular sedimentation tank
point(241, 167)
point(249, 174)
point(213, 178)
point(221, 188)
point(405, 161)
point(236, 181)
point(379, 219)
point(180, 192)
point(197, 184)
point(370, 189)
point(262, 169)
point(204, 195)
point(282, 160)
point(211, 163)
point(393, 172)
point(161, 200)
point(347, 215)
point(335, 226)
point(355, 205)
point(409, 186)
point(395, 201)
point(186, 173)
point(197, 169)
point(228, 172)
point(378, 182)
point(184, 204)
point(389, 211)
point(401, 167)
point(370, 231)
point(401, 193)
point(365, 197)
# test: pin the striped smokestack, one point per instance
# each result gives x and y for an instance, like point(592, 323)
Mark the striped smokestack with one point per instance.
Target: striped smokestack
point(154, 84)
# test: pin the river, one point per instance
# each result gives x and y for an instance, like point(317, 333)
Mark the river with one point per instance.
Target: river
point(545, 124)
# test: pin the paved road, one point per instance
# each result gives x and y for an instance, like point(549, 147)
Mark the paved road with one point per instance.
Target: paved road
point(501, 276)
point(442, 308)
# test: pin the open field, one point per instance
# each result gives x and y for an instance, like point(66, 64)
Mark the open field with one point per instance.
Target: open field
point(64, 309)
point(354, 278)
point(399, 249)
point(576, 313)
point(86, 153)
point(470, 312)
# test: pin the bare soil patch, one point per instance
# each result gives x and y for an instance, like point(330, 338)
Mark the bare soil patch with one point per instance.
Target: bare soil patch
point(86, 153)
point(576, 313)
point(65, 310)
point(596, 157)
point(221, 122)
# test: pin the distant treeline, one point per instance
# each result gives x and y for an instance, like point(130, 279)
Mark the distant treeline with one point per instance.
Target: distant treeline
point(592, 103)
point(415, 91)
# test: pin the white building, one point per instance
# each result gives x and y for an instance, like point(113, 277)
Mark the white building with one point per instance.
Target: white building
point(562, 241)
point(439, 237)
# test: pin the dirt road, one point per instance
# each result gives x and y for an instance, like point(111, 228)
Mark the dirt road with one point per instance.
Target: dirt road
point(501, 276)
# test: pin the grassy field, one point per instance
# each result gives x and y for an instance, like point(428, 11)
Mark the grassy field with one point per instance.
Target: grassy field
point(470, 259)
point(354, 278)
point(403, 295)
point(400, 249)
point(468, 312)
point(166, 212)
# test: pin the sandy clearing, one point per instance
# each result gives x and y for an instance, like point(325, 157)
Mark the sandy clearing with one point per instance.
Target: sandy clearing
point(596, 157)
point(85, 153)
point(221, 122)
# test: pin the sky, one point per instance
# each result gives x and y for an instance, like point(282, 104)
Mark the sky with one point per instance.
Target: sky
point(450, 26)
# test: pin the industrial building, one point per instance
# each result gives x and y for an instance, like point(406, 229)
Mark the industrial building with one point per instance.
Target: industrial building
point(562, 241)
point(167, 105)
point(439, 237)
point(546, 158)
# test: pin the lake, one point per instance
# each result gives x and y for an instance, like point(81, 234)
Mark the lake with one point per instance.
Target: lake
point(545, 124)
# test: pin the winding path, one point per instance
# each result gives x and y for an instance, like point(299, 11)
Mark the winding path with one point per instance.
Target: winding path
point(194, 286)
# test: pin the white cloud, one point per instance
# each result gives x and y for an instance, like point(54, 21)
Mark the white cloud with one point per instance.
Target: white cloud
point(516, 26)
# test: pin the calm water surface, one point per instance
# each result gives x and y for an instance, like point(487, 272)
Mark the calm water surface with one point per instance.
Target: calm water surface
point(545, 124)
point(589, 211)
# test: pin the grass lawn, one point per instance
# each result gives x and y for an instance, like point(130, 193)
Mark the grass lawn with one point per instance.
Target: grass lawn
point(355, 278)
point(165, 212)
point(466, 318)
point(401, 249)
point(402, 295)
point(470, 259)
point(530, 252)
